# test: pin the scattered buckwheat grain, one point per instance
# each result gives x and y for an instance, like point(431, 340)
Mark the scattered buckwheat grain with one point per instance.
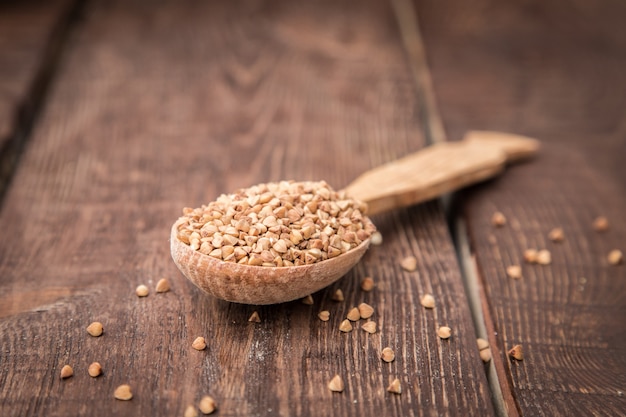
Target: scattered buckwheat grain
point(142, 291)
point(388, 355)
point(123, 393)
point(601, 224)
point(484, 350)
point(444, 332)
point(324, 315)
point(338, 295)
point(485, 355)
point(207, 405)
point(94, 370)
point(254, 317)
point(191, 411)
point(482, 343)
point(369, 327)
point(365, 310)
point(514, 271)
point(367, 284)
point(530, 256)
point(427, 301)
point(66, 372)
point(376, 239)
point(353, 314)
point(498, 219)
point(345, 326)
point(556, 234)
point(395, 387)
point(308, 300)
point(277, 225)
point(544, 257)
point(163, 285)
point(336, 384)
point(199, 343)
point(409, 263)
point(615, 257)
point(95, 329)
point(516, 352)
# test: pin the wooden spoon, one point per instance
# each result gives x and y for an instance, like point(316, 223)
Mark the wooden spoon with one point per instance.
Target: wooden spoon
point(431, 172)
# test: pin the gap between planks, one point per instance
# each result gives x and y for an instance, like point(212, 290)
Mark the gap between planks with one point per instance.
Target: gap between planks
point(504, 402)
point(434, 132)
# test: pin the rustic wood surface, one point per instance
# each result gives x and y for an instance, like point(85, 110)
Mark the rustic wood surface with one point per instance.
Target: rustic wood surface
point(556, 71)
point(159, 107)
point(30, 34)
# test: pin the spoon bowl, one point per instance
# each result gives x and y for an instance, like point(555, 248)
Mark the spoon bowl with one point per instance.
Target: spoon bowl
point(259, 284)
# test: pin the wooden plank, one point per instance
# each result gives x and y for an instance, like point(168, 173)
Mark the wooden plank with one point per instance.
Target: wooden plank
point(157, 108)
point(552, 70)
point(30, 36)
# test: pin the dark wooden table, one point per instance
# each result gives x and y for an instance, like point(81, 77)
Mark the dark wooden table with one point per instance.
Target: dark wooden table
point(116, 115)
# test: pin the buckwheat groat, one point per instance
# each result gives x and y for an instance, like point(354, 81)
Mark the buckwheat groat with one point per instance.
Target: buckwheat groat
point(277, 224)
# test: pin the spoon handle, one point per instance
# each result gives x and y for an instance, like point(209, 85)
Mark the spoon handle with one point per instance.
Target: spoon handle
point(439, 169)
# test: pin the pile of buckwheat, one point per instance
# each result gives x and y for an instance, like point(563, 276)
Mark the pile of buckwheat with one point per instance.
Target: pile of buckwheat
point(285, 223)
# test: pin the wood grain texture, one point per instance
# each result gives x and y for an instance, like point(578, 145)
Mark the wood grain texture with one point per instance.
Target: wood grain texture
point(160, 107)
point(30, 34)
point(556, 71)
point(25, 28)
